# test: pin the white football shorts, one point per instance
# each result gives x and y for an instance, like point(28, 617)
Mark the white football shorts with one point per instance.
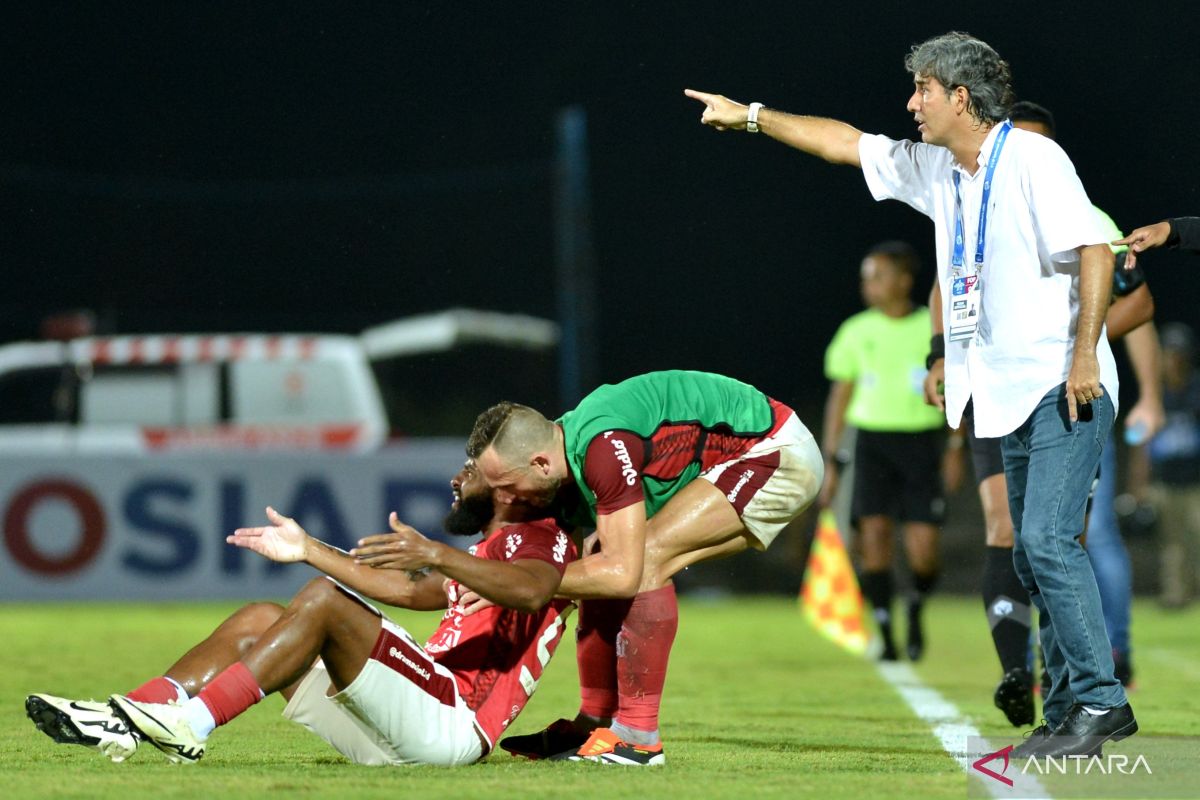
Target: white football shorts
point(403, 708)
point(773, 482)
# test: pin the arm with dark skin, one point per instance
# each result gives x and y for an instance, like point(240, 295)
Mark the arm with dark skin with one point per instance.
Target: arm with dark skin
point(953, 467)
point(937, 370)
point(1147, 415)
point(1129, 312)
point(1182, 232)
point(283, 540)
point(840, 394)
point(525, 585)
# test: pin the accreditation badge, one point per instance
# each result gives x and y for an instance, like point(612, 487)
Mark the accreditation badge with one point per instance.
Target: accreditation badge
point(965, 294)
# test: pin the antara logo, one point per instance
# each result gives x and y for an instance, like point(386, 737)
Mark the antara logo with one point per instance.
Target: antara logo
point(1114, 764)
point(1000, 776)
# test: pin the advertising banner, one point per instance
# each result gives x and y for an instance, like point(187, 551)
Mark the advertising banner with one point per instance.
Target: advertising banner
point(153, 527)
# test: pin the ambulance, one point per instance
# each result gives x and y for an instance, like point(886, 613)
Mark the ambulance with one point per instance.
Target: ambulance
point(126, 460)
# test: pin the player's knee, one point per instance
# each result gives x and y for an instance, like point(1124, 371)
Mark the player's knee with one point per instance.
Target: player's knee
point(317, 595)
point(257, 617)
point(252, 621)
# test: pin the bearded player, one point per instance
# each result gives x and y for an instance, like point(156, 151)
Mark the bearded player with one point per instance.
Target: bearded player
point(672, 468)
point(349, 674)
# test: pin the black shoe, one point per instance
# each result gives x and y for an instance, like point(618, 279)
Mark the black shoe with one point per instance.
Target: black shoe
point(1082, 733)
point(1014, 696)
point(1034, 740)
point(559, 736)
point(916, 636)
point(889, 652)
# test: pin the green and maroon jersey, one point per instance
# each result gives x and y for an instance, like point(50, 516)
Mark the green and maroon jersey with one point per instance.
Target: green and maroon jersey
point(648, 436)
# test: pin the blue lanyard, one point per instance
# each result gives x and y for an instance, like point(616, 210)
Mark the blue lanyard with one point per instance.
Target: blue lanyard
point(957, 259)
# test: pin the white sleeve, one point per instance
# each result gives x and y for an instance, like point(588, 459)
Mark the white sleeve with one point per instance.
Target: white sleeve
point(900, 170)
point(1065, 217)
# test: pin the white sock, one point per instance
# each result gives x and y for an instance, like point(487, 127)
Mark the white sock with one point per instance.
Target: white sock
point(1096, 712)
point(180, 694)
point(199, 718)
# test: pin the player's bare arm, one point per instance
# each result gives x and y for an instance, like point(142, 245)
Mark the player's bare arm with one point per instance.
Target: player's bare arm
point(1147, 415)
point(524, 585)
point(616, 569)
point(1095, 289)
point(834, 141)
point(840, 394)
point(1129, 312)
point(285, 541)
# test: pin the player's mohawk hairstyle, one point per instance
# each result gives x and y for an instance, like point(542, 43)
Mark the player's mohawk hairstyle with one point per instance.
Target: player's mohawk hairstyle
point(513, 430)
point(487, 428)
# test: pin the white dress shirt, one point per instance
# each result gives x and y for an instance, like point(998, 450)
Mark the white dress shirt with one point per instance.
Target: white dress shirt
point(1038, 215)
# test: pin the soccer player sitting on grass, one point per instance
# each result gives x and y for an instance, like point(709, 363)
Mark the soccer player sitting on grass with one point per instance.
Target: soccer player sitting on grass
point(349, 674)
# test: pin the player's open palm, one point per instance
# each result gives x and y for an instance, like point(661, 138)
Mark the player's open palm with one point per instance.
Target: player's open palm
point(403, 548)
point(283, 540)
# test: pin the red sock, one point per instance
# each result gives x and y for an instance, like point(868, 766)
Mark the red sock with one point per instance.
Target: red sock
point(596, 655)
point(156, 690)
point(231, 693)
point(644, 648)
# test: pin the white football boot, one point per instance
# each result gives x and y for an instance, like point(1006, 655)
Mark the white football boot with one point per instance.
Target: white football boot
point(164, 726)
point(82, 722)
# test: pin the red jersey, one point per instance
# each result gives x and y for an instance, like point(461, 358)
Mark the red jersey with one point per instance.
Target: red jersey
point(497, 655)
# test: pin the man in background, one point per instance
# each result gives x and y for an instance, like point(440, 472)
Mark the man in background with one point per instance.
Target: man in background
point(876, 363)
point(1175, 470)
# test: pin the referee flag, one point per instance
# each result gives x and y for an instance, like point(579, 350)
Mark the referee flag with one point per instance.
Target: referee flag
point(829, 596)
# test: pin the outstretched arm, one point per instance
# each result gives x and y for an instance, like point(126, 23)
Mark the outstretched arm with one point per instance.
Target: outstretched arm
point(283, 540)
point(1181, 232)
point(524, 585)
point(834, 141)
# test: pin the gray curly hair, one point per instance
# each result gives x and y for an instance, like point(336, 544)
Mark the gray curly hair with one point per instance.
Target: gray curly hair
point(959, 59)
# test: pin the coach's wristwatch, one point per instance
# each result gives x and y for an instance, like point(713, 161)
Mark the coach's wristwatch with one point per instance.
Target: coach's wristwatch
point(752, 117)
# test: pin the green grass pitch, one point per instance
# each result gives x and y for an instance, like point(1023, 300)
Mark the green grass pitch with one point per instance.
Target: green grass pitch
point(757, 705)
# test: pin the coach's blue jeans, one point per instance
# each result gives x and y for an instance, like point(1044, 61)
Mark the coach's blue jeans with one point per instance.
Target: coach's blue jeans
point(1049, 463)
point(1106, 549)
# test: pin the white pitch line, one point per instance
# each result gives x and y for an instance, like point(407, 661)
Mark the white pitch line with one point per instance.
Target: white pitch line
point(950, 726)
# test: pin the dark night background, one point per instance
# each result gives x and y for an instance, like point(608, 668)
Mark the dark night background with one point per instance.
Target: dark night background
point(212, 167)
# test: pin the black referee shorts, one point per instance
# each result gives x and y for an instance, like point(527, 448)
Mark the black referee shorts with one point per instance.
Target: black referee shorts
point(898, 475)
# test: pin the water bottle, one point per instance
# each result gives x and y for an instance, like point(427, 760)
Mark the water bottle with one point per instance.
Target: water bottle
point(1135, 434)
